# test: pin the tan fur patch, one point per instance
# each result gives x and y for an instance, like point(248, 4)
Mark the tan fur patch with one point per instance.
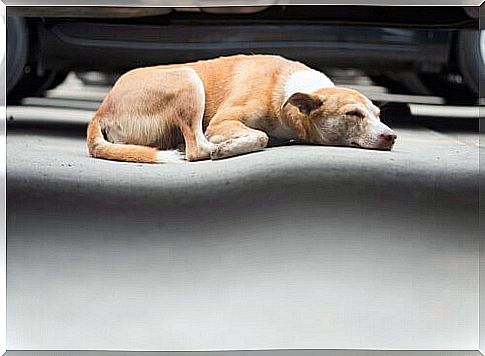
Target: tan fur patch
point(228, 98)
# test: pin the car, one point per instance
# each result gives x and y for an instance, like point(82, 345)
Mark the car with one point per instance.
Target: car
point(435, 50)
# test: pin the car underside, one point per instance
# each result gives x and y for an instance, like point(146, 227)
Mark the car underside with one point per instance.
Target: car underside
point(418, 50)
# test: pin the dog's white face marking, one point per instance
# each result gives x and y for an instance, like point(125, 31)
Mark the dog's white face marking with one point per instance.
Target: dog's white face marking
point(366, 131)
point(306, 81)
point(376, 132)
point(341, 116)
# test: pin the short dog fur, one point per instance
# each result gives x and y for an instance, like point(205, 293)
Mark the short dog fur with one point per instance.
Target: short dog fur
point(229, 106)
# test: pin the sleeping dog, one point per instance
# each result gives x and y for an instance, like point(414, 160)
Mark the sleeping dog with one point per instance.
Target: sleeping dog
point(229, 106)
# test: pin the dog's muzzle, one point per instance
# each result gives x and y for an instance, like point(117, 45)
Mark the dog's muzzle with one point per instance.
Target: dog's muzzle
point(386, 140)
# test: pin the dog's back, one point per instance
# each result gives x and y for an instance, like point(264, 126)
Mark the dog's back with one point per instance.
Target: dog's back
point(241, 78)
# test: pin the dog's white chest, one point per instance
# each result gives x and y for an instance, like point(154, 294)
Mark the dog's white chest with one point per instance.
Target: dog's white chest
point(306, 81)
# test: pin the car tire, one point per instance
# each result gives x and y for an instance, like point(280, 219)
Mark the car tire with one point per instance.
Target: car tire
point(23, 76)
point(471, 59)
point(461, 85)
point(451, 91)
point(17, 51)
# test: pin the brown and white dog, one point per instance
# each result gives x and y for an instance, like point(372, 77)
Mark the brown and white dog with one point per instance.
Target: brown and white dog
point(238, 101)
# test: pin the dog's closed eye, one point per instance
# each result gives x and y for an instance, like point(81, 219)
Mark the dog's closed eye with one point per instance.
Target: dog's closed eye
point(355, 112)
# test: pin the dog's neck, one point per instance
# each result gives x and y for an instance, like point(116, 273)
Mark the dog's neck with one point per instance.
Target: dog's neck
point(304, 81)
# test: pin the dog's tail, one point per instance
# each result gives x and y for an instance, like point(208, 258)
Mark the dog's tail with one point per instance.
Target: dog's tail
point(99, 147)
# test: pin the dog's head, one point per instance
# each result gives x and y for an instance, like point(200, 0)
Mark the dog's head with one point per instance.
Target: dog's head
point(338, 116)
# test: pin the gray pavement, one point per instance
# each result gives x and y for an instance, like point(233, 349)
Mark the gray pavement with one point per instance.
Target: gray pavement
point(293, 247)
point(49, 132)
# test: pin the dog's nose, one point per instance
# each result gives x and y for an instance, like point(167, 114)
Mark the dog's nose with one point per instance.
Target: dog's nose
point(388, 137)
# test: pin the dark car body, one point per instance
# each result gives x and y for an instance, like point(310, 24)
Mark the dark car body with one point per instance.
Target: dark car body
point(375, 39)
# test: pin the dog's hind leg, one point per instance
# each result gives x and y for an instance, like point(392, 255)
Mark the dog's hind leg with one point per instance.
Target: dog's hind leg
point(146, 110)
point(197, 147)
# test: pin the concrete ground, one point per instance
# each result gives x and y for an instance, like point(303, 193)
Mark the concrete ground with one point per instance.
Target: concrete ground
point(296, 246)
point(46, 137)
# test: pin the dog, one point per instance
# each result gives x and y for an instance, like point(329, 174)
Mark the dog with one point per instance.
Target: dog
point(229, 106)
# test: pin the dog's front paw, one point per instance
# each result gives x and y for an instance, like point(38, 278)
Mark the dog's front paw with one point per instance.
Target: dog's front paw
point(217, 152)
point(223, 149)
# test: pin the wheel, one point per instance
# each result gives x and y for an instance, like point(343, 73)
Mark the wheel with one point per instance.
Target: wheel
point(17, 52)
point(461, 84)
point(457, 84)
point(23, 76)
point(471, 59)
point(450, 87)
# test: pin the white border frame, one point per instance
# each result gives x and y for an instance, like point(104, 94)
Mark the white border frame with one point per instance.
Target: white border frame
point(187, 3)
point(3, 132)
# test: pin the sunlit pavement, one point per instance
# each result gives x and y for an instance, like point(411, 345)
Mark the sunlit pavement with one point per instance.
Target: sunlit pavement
point(46, 138)
point(349, 247)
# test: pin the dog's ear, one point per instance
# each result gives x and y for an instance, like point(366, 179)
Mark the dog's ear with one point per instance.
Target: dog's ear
point(305, 102)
